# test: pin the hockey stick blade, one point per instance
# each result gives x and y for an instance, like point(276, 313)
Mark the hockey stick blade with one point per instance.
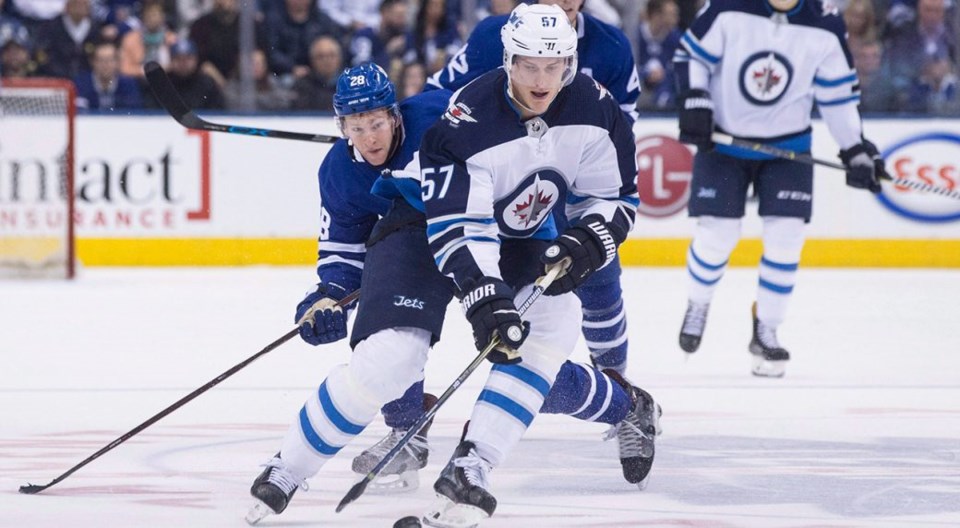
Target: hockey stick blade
point(32, 489)
point(170, 100)
point(801, 157)
point(357, 489)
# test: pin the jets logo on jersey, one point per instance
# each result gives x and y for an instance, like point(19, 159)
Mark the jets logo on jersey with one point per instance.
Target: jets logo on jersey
point(523, 211)
point(458, 113)
point(765, 77)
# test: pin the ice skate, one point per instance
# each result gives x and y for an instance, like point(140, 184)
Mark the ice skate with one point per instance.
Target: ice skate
point(769, 358)
point(636, 433)
point(273, 490)
point(463, 499)
point(402, 473)
point(694, 322)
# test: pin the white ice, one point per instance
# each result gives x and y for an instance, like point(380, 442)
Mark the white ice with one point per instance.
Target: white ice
point(863, 431)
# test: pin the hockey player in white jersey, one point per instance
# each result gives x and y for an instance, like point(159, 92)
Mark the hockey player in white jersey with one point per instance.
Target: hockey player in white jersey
point(514, 144)
point(603, 53)
point(753, 69)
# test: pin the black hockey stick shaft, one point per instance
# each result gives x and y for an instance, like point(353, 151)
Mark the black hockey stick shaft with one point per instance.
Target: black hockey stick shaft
point(354, 493)
point(800, 157)
point(171, 101)
point(31, 489)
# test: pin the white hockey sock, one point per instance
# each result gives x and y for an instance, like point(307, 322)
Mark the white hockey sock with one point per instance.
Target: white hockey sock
point(513, 394)
point(783, 239)
point(507, 405)
point(381, 368)
point(707, 257)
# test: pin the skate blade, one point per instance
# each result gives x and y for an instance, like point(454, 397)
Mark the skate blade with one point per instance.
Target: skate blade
point(448, 514)
point(258, 513)
point(768, 369)
point(642, 485)
point(398, 483)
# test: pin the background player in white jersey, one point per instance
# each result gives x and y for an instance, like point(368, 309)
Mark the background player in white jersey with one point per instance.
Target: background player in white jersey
point(373, 232)
point(514, 144)
point(603, 52)
point(753, 69)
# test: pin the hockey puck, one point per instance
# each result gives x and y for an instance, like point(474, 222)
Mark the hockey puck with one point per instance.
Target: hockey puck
point(408, 522)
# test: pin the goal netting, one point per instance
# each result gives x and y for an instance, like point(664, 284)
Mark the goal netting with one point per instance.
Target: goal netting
point(36, 178)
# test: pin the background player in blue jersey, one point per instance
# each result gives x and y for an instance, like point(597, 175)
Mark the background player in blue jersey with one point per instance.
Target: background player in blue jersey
point(379, 240)
point(753, 69)
point(603, 53)
point(514, 144)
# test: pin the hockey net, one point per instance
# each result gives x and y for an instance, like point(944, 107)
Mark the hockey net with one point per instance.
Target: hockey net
point(36, 178)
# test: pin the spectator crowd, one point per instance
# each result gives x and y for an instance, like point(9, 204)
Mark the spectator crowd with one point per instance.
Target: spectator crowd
point(905, 51)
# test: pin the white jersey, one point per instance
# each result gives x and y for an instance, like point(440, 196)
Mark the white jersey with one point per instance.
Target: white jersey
point(764, 69)
point(487, 175)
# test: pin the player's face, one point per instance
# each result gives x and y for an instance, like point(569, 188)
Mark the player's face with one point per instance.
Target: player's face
point(535, 81)
point(371, 133)
point(783, 5)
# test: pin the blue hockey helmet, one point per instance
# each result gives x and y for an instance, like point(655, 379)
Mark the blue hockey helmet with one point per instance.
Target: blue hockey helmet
point(363, 88)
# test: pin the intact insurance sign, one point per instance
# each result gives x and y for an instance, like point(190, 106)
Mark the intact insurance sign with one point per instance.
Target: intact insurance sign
point(931, 158)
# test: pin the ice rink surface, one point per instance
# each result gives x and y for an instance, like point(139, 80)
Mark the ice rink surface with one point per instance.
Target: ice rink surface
point(863, 431)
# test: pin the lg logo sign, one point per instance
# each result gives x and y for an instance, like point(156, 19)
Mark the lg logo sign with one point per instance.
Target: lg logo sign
point(664, 168)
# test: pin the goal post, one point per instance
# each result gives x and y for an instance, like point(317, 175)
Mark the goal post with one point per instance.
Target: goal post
point(37, 197)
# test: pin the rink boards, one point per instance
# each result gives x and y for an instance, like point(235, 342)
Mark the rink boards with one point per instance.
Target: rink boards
point(150, 192)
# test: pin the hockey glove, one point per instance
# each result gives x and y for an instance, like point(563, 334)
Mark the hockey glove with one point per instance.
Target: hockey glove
point(490, 310)
point(879, 165)
point(320, 320)
point(589, 246)
point(696, 119)
point(862, 167)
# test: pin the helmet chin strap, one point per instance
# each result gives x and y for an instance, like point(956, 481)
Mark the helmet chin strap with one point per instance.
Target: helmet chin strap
point(783, 6)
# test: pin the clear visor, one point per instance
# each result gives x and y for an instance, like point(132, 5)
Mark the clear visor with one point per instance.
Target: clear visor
point(542, 72)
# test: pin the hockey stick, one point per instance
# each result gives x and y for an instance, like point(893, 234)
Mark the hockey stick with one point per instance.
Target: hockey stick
point(31, 489)
point(354, 493)
point(801, 157)
point(170, 100)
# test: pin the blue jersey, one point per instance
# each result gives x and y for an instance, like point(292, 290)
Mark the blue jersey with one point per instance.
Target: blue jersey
point(488, 175)
point(603, 52)
point(348, 208)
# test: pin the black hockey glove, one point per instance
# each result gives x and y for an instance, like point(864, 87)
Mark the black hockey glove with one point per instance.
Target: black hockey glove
point(490, 310)
point(696, 119)
point(589, 245)
point(879, 165)
point(320, 320)
point(861, 162)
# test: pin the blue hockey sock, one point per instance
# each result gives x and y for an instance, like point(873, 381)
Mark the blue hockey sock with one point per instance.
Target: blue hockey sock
point(604, 320)
point(586, 393)
point(404, 412)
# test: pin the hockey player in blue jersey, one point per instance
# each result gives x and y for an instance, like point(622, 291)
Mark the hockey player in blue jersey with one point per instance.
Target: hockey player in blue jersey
point(378, 239)
point(603, 52)
point(753, 69)
point(516, 143)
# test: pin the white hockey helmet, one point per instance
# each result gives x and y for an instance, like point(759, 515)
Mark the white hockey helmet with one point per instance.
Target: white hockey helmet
point(540, 31)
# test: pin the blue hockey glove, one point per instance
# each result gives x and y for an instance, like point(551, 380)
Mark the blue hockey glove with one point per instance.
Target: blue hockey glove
point(490, 310)
point(696, 119)
point(861, 162)
point(320, 320)
point(589, 246)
